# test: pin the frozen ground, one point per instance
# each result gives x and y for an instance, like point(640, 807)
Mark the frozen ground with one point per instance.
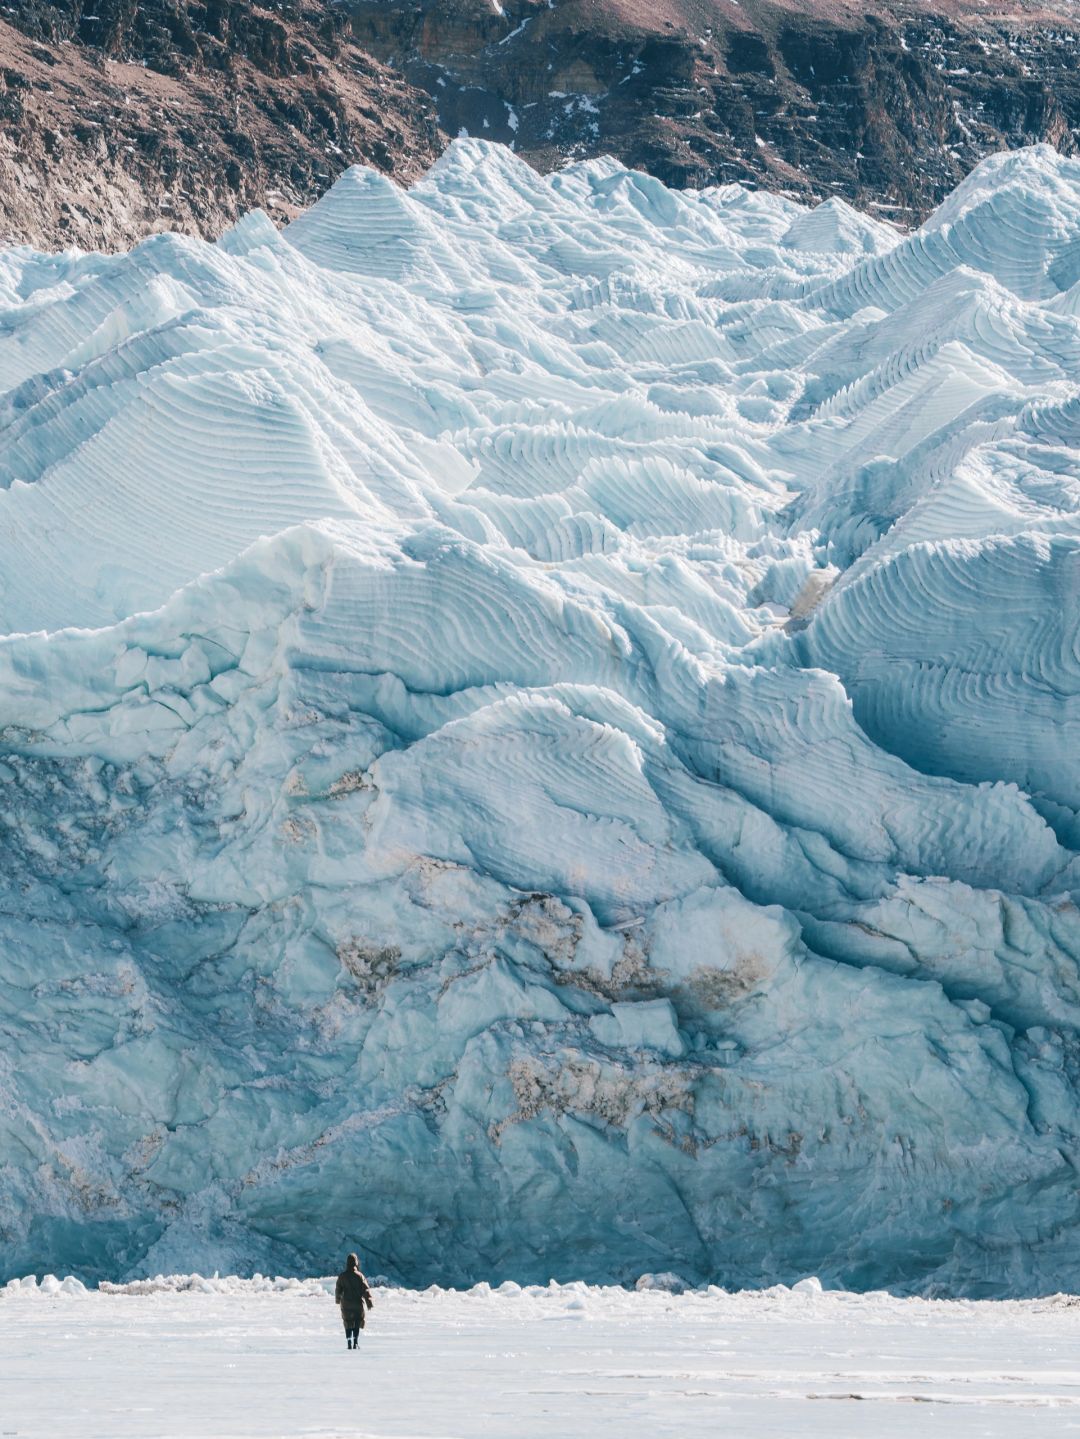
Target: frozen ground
point(557, 1361)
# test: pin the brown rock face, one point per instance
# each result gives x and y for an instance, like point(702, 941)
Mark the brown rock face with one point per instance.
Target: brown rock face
point(887, 104)
point(119, 118)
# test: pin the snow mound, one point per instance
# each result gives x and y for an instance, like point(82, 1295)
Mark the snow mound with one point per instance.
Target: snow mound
point(49, 1285)
point(539, 721)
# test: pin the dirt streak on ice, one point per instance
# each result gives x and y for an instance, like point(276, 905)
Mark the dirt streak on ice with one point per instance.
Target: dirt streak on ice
point(197, 1358)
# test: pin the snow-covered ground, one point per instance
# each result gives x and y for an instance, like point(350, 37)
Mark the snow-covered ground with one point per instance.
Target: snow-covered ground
point(559, 1362)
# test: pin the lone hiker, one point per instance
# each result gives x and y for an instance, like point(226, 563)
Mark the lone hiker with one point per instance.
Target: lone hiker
point(352, 1293)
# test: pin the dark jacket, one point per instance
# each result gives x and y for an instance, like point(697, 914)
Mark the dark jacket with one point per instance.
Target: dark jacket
point(352, 1292)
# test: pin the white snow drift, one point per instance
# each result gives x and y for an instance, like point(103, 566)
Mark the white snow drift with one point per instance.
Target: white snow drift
point(540, 722)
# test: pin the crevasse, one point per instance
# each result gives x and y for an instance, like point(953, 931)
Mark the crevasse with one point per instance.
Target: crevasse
point(539, 723)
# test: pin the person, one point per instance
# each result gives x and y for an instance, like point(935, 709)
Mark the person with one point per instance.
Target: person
point(352, 1294)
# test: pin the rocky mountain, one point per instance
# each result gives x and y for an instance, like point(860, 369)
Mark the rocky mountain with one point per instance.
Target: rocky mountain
point(888, 105)
point(120, 117)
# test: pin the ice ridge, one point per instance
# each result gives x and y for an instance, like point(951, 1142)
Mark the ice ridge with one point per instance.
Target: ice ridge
point(538, 724)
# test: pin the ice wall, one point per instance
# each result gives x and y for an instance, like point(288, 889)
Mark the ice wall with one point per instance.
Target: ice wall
point(539, 733)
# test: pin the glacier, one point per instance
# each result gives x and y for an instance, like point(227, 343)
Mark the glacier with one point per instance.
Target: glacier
point(538, 738)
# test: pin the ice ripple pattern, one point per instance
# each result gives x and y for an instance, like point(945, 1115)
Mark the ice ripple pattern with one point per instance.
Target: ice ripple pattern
point(539, 722)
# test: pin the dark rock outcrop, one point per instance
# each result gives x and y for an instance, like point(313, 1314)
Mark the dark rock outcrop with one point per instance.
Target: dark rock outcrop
point(888, 105)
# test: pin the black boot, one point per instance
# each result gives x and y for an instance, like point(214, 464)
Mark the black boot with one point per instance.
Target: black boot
point(348, 1341)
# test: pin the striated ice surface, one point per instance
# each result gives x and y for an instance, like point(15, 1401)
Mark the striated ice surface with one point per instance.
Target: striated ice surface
point(539, 738)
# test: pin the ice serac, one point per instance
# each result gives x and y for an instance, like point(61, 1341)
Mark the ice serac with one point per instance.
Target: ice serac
point(539, 729)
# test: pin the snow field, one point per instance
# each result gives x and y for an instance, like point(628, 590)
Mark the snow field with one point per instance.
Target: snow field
point(539, 1362)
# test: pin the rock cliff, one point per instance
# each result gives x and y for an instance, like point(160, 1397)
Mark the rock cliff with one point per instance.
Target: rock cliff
point(118, 118)
point(887, 105)
point(125, 116)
